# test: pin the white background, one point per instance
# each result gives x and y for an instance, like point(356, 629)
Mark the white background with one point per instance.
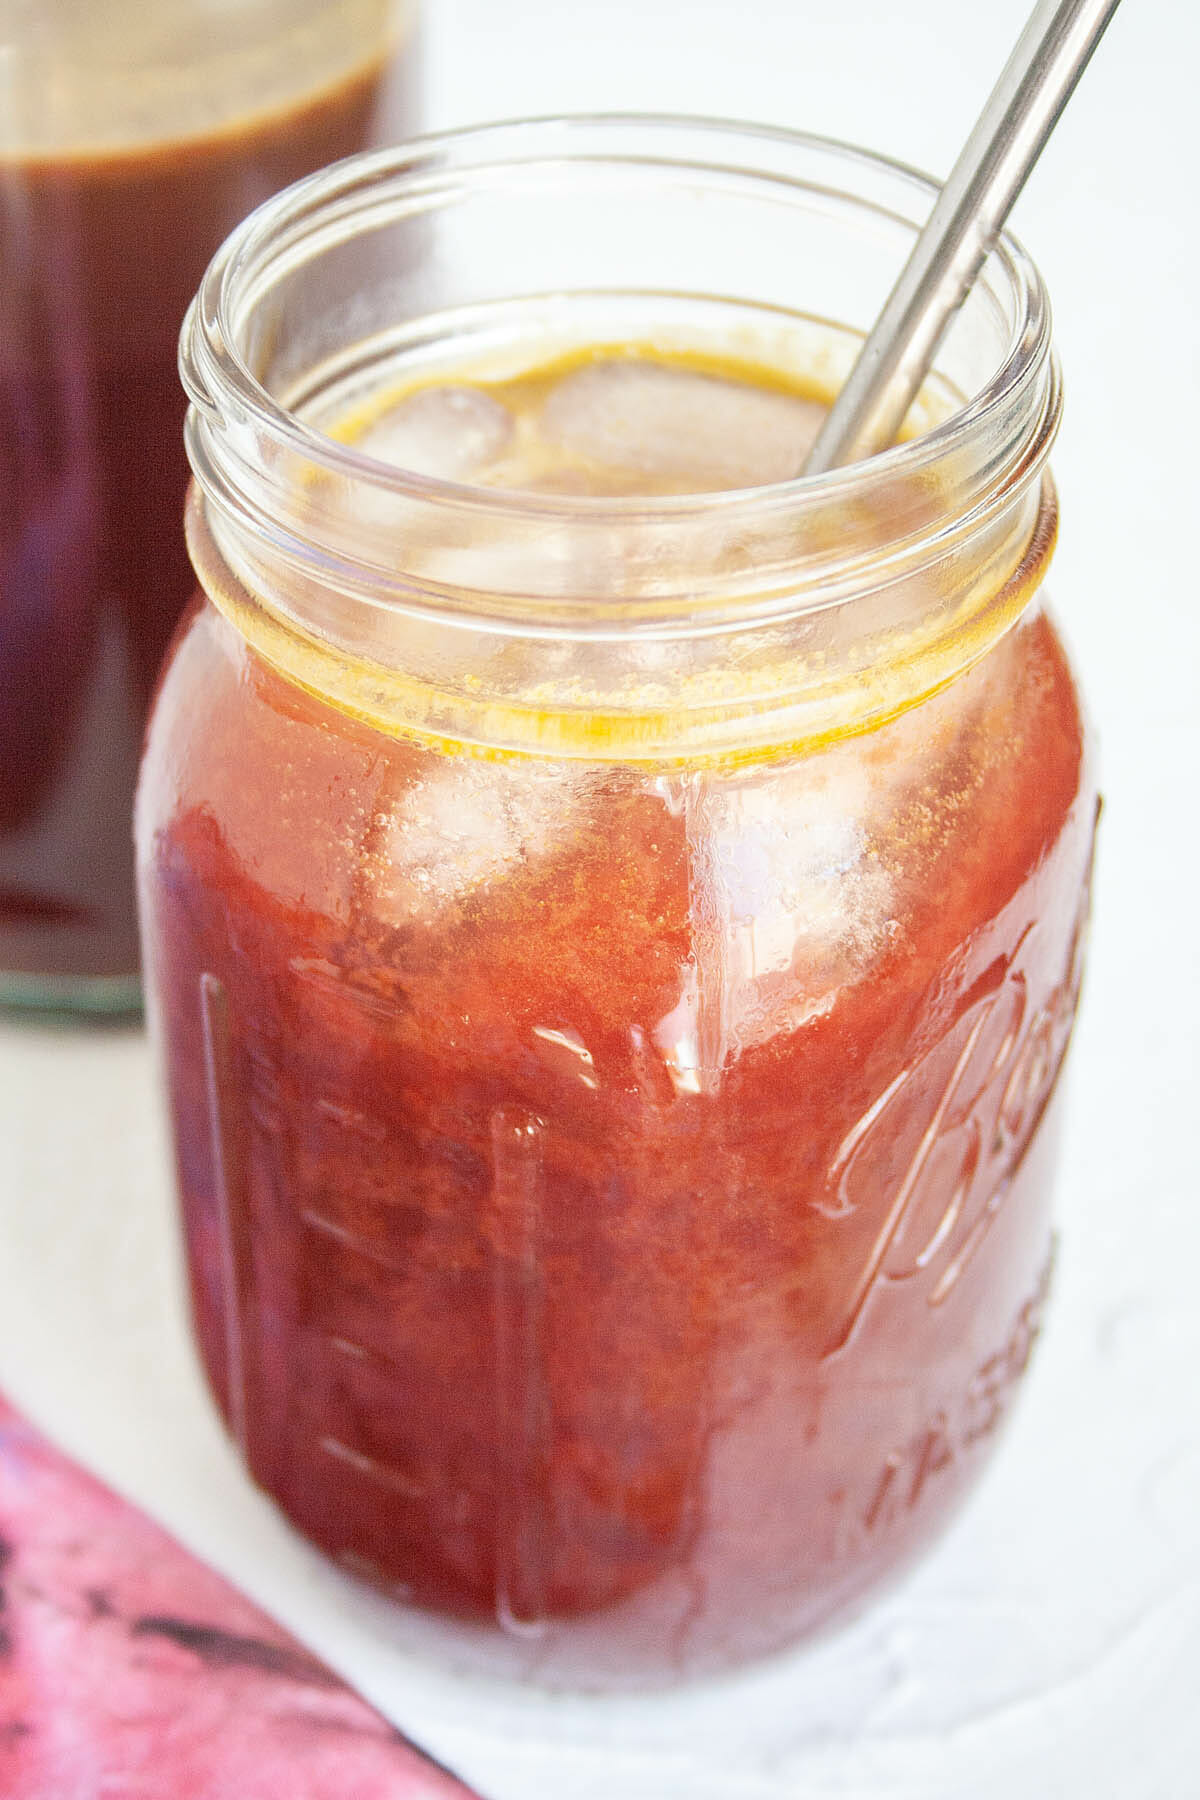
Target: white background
point(1051, 1645)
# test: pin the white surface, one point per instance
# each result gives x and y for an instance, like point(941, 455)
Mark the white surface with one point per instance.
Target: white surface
point(1051, 1645)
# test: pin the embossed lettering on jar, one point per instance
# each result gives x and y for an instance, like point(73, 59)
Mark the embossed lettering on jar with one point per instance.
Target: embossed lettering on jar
point(613, 911)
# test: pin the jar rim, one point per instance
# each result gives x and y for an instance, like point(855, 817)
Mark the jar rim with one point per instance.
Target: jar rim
point(217, 375)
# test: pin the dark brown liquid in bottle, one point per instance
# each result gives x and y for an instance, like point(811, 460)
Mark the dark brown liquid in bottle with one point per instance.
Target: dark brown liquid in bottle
point(100, 255)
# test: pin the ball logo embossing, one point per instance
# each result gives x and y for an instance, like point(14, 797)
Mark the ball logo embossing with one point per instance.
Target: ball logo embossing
point(945, 1138)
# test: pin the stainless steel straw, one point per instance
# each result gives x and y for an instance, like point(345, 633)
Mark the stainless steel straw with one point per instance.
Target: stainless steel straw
point(1038, 80)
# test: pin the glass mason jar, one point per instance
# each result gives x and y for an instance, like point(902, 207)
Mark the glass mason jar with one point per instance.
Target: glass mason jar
point(132, 139)
point(612, 956)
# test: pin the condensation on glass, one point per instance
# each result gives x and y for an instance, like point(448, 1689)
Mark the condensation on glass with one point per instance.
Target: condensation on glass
point(132, 140)
point(613, 941)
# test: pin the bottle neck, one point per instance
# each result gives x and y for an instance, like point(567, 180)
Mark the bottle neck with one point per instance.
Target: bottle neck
point(698, 625)
point(745, 692)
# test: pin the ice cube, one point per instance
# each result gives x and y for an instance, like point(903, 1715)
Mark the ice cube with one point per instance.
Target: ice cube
point(674, 429)
point(466, 823)
point(788, 903)
point(452, 432)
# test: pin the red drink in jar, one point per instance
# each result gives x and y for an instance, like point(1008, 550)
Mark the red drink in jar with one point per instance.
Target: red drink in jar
point(613, 911)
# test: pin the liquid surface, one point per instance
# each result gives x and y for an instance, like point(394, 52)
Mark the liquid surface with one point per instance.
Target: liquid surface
point(118, 76)
point(100, 253)
point(617, 1200)
point(611, 420)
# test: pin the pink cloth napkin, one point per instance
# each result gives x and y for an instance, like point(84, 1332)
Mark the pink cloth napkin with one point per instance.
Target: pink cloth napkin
point(130, 1671)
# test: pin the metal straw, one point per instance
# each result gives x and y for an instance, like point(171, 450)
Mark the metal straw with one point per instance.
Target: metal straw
point(1038, 80)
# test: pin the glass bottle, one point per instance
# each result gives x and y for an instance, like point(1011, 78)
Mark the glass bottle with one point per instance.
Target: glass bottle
point(132, 139)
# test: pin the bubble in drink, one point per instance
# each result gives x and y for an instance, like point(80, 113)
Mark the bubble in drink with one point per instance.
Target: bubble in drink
point(454, 433)
point(677, 428)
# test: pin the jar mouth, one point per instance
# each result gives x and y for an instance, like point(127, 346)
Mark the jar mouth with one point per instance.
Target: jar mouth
point(802, 546)
point(212, 359)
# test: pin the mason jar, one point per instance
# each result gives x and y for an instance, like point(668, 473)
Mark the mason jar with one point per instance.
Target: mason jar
point(132, 139)
point(612, 947)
